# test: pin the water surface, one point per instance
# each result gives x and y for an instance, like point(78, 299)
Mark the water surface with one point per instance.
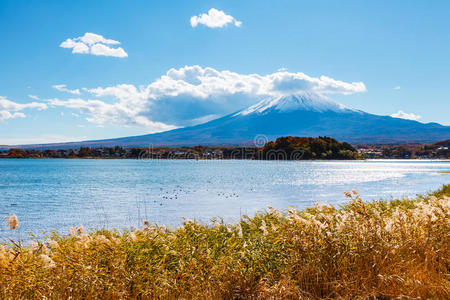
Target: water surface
point(56, 194)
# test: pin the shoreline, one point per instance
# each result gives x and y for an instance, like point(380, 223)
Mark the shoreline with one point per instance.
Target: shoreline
point(223, 159)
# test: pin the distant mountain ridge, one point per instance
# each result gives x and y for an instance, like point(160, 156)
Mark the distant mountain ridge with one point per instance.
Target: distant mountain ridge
point(302, 114)
point(445, 143)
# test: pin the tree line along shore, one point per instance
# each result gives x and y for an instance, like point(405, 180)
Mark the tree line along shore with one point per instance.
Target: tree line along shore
point(284, 148)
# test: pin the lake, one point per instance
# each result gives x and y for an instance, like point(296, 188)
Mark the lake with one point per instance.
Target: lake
point(49, 194)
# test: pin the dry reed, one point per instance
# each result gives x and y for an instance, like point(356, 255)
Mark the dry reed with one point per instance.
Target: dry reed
point(380, 249)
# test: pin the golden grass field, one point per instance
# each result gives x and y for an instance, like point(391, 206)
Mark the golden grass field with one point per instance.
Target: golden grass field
point(375, 250)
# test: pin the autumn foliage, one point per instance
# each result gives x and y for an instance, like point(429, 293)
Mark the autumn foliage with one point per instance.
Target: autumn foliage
point(297, 148)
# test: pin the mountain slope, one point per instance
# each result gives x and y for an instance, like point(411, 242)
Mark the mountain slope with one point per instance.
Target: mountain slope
point(296, 115)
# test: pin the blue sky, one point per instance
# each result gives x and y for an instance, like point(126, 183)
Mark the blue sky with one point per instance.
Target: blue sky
point(379, 56)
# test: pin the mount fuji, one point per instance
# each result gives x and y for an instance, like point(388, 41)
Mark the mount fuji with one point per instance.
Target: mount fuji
point(301, 114)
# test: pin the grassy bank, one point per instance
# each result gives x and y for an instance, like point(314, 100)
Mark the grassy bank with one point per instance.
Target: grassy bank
point(380, 249)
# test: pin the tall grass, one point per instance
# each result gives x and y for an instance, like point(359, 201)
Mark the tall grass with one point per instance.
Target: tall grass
point(381, 249)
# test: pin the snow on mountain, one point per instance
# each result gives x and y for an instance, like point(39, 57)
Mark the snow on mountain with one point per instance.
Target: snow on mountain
point(300, 101)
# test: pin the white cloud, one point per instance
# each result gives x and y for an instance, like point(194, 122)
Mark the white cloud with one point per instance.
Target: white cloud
point(214, 19)
point(5, 115)
point(206, 82)
point(92, 38)
point(63, 88)
point(408, 116)
point(397, 87)
point(100, 49)
point(13, 106)
point(77, 47)
point(117, 113)
point(193, 94)
point(95, 44)
point(12, 110)
point(34, 97)
point(285, 82)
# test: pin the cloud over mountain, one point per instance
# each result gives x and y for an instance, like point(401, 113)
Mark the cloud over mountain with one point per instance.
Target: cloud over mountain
point(95, 44)
point(190, 94)
point(408, 116)
point(206, 82)
point(214, 19)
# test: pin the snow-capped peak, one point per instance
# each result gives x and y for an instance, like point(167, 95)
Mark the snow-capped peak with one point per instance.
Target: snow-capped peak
point(299, 101)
